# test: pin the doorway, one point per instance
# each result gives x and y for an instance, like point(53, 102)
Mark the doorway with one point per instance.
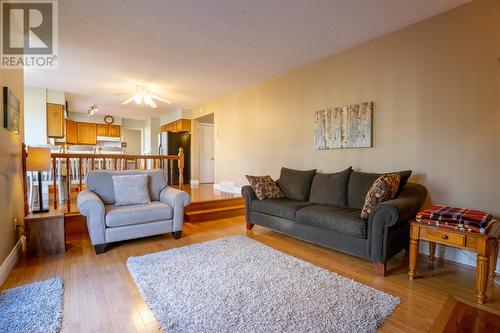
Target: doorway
point(206, 152)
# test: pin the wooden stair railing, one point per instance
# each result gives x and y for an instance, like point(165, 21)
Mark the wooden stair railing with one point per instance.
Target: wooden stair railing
point(77, 166)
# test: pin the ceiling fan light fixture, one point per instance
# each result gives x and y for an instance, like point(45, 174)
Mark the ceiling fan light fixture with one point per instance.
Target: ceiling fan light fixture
point(92, 109)
point(144, 98)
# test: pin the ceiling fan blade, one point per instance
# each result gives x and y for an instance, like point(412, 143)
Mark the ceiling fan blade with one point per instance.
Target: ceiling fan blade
point(128, 100)
point(161, 99)
point(149, 101)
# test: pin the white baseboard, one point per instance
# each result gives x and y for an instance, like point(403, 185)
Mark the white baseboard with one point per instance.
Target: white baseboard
point(228, 189)
point(453, 254)
point(194, 182)
point(10, 261)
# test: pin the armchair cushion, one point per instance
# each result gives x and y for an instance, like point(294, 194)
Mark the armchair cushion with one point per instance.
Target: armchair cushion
point(131, 189)
point(101, 183)
point(119, 216)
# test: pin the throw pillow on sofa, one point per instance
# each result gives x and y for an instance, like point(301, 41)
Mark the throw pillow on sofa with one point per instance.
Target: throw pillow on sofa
point(296, 184)
point(265, 187)
point(330, 188)
point(131, 190)
point(384, 188)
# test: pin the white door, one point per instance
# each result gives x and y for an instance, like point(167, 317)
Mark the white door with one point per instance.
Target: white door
point(206, 144)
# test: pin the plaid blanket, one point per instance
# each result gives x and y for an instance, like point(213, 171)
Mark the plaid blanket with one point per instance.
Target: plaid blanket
point(456, 218)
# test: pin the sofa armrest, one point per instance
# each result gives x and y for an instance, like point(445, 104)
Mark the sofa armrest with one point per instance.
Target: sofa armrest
point(392, 213)
point(176, 199)
point(92, 207)
point(248, 194)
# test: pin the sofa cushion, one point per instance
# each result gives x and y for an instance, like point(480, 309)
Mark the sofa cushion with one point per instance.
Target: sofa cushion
point(296, 184)
point(265, 187)
point(361, 182)
point(285, 208)
point(131, 189)
point(340, 219)
point(330, 188)
point(101, 183)
point(119, 216)
point(384, 188)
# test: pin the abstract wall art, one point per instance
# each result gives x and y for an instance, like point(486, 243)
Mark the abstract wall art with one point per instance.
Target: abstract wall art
point(344, 127)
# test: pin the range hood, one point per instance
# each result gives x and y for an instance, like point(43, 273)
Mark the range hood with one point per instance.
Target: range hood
point(108, 139)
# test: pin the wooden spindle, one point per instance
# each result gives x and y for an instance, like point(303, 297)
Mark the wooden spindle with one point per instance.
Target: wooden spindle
point(181, 168)
point(68, 187)
point(80, 174)
point(171, 178)
point(54, 181)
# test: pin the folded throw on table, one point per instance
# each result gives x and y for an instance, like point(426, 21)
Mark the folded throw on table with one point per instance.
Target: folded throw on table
point(456, 218)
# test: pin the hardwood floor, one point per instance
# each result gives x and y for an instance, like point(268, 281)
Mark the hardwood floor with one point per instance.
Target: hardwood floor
point(100, 295)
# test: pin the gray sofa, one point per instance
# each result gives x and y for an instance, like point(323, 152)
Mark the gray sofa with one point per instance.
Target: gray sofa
point(325, 209)
point(109, 223)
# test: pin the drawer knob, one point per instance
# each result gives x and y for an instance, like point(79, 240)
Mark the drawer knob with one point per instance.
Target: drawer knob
point(444, 237)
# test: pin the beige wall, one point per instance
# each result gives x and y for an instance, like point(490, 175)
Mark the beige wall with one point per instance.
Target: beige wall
point(133, 139)
point(11, 189)
point(436, 93)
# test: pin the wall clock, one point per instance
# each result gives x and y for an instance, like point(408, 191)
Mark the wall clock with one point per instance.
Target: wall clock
point(109, 119)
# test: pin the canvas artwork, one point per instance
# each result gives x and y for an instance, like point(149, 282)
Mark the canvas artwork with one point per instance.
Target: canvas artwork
point(344, 127)
point(11, 113)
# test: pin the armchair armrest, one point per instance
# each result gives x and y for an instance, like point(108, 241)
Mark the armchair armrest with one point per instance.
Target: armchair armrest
point(248, 195)
point(393, 213)
point(177, 199)
point(92, 207)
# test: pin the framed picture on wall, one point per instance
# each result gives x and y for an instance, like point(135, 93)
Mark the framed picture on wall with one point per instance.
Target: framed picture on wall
point(11, 113)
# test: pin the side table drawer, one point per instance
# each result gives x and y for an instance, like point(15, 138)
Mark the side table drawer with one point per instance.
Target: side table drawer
point(444, 237)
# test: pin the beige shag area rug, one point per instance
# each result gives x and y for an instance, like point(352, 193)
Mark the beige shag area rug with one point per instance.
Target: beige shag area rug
point(236, 284)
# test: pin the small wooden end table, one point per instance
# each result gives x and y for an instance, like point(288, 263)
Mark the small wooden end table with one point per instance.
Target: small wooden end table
point(485, 245)
point(45, 233)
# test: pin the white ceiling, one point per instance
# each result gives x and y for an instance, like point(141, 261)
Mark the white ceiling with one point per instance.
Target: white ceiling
point(194, 51)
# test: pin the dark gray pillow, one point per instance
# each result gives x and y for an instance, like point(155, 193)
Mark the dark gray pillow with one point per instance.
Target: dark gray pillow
point(330, 188)
point(296, 184)
point(361, 182)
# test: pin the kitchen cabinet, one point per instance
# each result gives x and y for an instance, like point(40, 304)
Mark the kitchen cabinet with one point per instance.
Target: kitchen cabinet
point(114, 130)
point(55, 120)
point(102, 130)
point(87, 133)
point(181, 125)
point(71, 132)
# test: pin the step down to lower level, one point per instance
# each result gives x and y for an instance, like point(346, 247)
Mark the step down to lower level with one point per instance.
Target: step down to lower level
point(214, 209)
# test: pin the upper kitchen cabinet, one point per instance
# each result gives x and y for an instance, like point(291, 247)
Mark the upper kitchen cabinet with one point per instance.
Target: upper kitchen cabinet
point(181, 125)
point(55, 120)
point(102, 130)
point(71, 132)
point(87, 133)
point(114, 130)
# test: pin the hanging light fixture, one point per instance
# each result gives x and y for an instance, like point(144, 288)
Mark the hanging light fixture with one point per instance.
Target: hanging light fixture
point(93, 109)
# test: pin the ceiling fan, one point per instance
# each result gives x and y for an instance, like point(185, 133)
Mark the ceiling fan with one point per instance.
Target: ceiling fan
point(144, 98)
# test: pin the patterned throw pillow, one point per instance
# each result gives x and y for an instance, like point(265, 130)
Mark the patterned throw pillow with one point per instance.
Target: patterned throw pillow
point(265, 187)
point(384, 188)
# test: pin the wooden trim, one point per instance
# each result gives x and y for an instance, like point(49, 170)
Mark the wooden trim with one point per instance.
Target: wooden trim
point(24, 156)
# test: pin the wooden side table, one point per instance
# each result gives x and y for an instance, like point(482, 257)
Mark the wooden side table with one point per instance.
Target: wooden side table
point(45, 233)
point(485, 245)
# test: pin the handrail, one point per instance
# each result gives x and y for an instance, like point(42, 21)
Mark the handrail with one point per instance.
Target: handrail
point(87, 162)
point(115, 156)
